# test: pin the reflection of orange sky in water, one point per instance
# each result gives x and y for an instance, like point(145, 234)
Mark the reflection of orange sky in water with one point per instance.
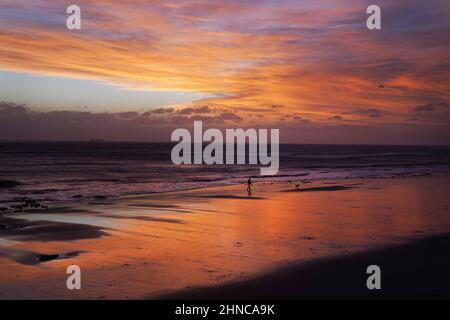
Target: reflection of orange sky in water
point(227, 239)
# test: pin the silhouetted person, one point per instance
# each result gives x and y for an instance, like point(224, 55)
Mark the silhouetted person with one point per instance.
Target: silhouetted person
point(249, 186)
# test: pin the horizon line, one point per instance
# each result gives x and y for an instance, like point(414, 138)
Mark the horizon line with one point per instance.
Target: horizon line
point(101, 141)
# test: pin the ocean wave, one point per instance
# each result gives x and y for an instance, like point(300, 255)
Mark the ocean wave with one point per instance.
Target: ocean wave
point(66, 170)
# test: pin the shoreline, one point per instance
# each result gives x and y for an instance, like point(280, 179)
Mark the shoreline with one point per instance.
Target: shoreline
point(285, 179)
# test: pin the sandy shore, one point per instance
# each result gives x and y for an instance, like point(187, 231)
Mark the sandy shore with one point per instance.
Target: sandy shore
point(219, 242)
point(417, 270)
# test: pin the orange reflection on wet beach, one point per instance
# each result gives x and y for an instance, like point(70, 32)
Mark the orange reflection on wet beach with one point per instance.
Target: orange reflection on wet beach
point(161, 243)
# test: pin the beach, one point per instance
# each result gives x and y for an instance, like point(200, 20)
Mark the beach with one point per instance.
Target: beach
point(416, 270)
point(220, 242)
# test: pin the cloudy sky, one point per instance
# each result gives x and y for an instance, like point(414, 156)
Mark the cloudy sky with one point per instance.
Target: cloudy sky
point(139, 69)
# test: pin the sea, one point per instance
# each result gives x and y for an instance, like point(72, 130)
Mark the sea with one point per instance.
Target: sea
point(65, 171)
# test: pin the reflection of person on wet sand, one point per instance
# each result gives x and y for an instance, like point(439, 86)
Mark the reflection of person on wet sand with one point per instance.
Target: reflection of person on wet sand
point(249, 186)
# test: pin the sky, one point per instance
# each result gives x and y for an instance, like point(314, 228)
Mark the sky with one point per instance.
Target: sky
point(139, 69)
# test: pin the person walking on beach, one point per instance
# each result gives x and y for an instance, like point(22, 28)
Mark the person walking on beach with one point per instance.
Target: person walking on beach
point(249, 186)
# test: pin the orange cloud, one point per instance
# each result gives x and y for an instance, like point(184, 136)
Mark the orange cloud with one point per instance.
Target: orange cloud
point(315, 60)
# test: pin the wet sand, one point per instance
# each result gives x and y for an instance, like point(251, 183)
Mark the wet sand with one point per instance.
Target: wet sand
point(418, 270)
point(278, 243)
